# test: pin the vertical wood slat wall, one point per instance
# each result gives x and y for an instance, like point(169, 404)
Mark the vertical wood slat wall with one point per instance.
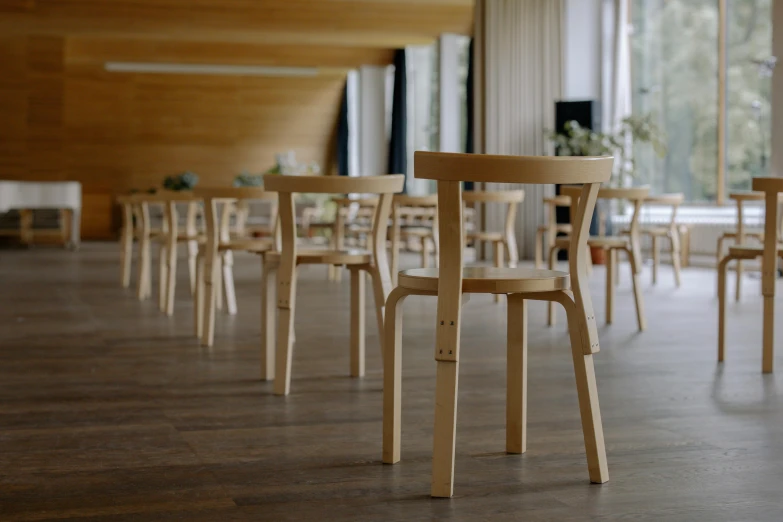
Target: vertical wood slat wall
point(520, 73)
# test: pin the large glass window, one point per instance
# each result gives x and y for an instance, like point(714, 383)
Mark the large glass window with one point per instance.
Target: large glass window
point(749, 88)
point(676, 70)
point(674, 67)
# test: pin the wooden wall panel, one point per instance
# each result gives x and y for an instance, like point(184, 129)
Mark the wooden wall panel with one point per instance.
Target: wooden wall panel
point(114, 132)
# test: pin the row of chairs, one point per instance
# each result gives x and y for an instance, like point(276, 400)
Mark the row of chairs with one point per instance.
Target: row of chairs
point(451, 283)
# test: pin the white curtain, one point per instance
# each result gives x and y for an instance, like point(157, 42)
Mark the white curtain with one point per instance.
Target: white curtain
point(521, 66)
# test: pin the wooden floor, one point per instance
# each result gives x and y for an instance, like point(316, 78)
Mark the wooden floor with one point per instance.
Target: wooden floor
point(109, 410)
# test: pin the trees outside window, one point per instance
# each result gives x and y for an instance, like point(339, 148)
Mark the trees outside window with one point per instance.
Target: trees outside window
point(675, 76)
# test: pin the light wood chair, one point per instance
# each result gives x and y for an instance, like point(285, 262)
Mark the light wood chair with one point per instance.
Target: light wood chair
point(414, 217)
point(740, 236)
point(547, 233)
point(670, 231)
point(170, 237)
point(630, 244)
point(452, 284)
point(348, 211)
point(770, 253)
point(215, 258)
point(373, 261)
point(145, 235)
point(502, 242)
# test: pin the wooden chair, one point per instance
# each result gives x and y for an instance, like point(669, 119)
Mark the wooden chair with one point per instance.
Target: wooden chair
point(770, 252)
point(452, 284)
point(414, 217)
point(216, 256)
point(145, 234)
point(740, 236)
point(170, 237)
point(373, 261)
point(630, 244)
point(348, 210)
point(547, 233)
point(670, 231)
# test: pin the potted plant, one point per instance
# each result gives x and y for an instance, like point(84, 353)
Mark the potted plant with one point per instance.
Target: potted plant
point(184, 181)
point(580, 141)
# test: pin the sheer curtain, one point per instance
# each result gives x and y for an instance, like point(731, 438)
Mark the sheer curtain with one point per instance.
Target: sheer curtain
point(617, 65)
point(519, 64)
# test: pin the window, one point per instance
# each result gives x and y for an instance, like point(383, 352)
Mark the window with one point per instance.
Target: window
point(749, 90)
point(678, 71)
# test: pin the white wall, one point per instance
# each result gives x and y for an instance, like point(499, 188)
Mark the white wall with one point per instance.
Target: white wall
point(582, 54)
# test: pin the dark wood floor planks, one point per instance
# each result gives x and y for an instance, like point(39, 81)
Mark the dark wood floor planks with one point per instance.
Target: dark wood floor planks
point(109, 410)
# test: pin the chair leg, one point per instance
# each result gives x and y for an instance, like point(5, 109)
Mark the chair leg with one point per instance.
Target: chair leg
point(425, 252)
point(392, 376)
point(611, 268)
point(676, 255)
point(719, 250)
point(551, 318)
point(613, 253)
point(286, 309)
point(162, 277)
point(499, 261)
point(637, 291)
point(737, 290)
point(444, 435)
point(768, 349)
point(171, 275)
point(268, 318)
point(512, 250)
point(587, 392)
point(722, 269)
point(144, 269)
point(539, 252)
point(192, 262)
point(126, 254)
point(516, 375)
point(380, 302)
point(357, 322)
point(218, 282)
point(656, 255)
point(198, 297)
point(228, 282)
point(211, 278)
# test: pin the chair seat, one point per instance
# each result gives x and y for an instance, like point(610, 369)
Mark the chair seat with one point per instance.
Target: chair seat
point(415, 231)
point(563, 227)
point(755, 235)
point(650, 231)
point(249, 244)
point(750, 251)
point(490, 280)
point(315, 256)
point(485, 236)
point(597, 241)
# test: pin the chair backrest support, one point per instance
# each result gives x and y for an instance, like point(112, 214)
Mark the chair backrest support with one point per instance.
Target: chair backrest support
point(450, 170)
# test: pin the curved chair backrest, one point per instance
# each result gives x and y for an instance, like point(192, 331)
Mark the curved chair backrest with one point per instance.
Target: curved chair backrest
point(672, 200)
point(218, 230)
point(383, 186)
point(449, 170)
point(512, 198)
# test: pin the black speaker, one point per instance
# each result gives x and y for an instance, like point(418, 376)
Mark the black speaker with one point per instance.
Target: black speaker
point(586, 113)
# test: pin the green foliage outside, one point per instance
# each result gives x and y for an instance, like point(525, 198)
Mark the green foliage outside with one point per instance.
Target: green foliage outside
point(675, 78)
